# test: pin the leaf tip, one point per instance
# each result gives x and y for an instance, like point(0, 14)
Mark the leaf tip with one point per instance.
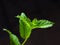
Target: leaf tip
point(4, 29)
point(23, 14)
point(18, 16)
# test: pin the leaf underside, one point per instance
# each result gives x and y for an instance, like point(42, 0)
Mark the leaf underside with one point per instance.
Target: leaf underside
point(42, 23)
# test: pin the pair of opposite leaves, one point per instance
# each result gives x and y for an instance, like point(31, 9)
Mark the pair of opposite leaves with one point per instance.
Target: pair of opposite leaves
point(26, 26)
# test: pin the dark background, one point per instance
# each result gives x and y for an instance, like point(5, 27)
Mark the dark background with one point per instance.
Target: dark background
point(41, 9)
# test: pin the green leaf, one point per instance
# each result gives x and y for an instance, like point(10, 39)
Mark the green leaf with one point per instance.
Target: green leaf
point(13, 38)
point(41, 23)
point(24, 26)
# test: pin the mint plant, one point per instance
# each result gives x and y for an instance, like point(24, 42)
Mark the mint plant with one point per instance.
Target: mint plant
point(25, 28)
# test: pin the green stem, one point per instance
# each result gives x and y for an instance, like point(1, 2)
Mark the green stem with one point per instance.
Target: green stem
point(24, 41)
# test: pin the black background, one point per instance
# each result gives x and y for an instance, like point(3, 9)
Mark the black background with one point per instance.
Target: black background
point(41, 9)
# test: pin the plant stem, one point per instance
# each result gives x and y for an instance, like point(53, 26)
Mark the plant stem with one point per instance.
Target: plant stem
point(24, 41)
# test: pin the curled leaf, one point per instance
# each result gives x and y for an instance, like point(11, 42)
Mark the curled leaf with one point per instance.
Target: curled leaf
point(13, 38)
point(24, 26)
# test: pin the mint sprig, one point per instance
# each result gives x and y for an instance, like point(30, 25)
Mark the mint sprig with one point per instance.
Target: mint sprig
point(25, 28)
